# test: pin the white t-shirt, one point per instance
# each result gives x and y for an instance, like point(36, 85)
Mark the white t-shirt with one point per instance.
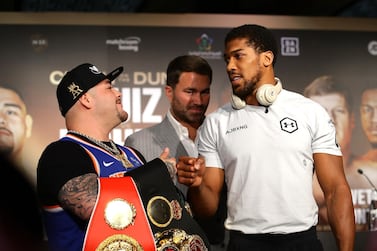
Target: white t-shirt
point(267, 156)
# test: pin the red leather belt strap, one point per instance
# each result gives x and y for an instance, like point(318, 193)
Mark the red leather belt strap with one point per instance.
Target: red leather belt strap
point(100, 233)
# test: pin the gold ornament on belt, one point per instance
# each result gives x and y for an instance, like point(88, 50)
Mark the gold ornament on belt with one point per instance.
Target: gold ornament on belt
point(178, 240)
point(119, 214)
point(119, 242)
point(161, 211)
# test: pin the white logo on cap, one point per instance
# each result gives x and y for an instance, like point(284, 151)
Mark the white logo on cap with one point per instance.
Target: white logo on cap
point(94, 70)
point(74, 90)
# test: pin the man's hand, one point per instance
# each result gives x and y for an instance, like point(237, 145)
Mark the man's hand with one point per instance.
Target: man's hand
point(191, 170)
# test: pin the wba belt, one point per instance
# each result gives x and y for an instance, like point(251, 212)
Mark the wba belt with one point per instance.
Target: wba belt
point(143, 211)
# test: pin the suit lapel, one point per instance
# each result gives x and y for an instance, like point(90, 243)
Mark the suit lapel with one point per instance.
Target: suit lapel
point(167, 135)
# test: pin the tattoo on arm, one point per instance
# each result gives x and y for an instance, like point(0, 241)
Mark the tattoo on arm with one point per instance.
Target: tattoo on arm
point(79, 195)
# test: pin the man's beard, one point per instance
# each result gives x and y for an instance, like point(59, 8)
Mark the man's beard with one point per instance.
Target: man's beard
point(194, 119)
point(6, 150)
point(123, 116)
point(184, 115)
point(249, 87)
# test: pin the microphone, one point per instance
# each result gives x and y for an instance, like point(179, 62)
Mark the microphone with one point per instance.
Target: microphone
point(360, 171)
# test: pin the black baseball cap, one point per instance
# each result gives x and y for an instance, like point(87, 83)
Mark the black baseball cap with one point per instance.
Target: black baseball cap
point(78, 81)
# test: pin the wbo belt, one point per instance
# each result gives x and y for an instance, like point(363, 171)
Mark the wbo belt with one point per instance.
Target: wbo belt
point(142, 211)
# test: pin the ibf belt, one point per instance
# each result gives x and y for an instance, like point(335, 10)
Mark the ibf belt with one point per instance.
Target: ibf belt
point(173, 227)
point(161, 212)
point(118, 221)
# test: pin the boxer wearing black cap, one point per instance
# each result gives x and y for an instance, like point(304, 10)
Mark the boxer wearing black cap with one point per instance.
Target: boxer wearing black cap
point(91, 198)
point(78, 81)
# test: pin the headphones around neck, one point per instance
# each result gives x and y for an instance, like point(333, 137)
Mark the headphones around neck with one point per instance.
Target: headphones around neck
point(266, 95)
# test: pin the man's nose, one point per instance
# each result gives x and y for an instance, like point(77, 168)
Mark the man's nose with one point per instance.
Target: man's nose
point(197, 98)
point(2, 118)
point(230, 65)
point(374, 114)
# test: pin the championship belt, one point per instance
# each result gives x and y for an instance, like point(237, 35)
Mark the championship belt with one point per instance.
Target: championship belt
point(143, 211)
point(169, 216)
point(118, 221)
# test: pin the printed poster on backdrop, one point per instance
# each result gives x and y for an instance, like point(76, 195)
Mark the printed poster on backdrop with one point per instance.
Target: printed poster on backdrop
point(35, 57)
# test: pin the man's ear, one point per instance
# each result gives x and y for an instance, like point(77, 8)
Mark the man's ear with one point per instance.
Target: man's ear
point(29, 125)
point(268, 58)
point(85, 100)
point(169, 92)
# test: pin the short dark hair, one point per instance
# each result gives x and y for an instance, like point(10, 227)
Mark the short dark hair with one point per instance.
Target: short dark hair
point(187, 63)
point(327, 84)
point(260, 38)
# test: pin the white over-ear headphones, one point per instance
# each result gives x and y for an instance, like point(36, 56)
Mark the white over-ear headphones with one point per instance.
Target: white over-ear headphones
point(237, 102)
point(266, 95)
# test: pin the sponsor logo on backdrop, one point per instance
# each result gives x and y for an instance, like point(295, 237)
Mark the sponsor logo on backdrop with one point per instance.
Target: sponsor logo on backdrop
point(290, 46)
point(204, 48)
point(125, 44)
point(38, 42)
point(372, 48)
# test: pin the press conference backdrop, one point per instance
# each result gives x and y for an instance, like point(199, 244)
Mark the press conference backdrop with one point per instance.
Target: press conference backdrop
point(38, 48)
